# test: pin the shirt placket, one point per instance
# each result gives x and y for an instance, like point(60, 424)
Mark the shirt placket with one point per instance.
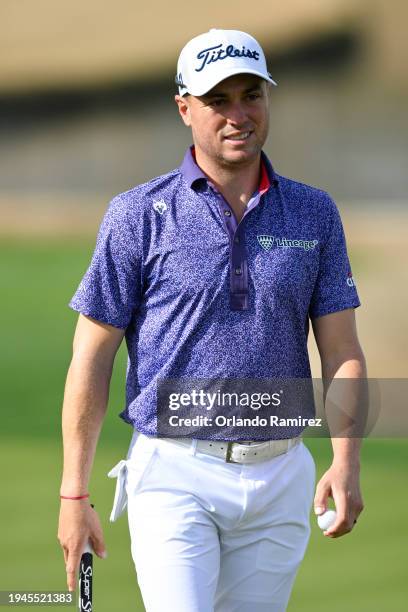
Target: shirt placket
point(238, 259)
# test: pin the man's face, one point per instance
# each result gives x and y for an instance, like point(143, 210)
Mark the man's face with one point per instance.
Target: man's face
point(229, 123)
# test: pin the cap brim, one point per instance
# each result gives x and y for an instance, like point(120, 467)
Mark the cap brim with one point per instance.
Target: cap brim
point(199, 91)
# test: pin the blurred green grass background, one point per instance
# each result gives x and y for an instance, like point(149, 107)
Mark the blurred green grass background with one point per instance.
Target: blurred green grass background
point(361, 572)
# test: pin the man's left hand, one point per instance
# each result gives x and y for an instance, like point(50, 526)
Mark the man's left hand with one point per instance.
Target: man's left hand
point(341, 482)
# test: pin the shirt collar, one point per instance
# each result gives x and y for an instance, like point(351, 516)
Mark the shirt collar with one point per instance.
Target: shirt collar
point(192, 173)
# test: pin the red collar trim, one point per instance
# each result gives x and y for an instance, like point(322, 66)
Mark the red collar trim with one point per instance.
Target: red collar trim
point(265, 182)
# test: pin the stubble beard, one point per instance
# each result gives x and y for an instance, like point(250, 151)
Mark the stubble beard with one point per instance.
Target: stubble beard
point(224, 160)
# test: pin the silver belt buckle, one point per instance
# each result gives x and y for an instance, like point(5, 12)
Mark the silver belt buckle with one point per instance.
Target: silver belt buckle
point(228, 454)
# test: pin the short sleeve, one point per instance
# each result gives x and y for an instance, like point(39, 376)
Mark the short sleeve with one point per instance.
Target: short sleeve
point(111, 287)
point(335, 287)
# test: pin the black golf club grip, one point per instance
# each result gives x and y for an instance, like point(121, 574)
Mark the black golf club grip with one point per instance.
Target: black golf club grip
point(85, 580)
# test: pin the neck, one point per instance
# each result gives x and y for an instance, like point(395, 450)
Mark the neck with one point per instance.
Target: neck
point(236, 182)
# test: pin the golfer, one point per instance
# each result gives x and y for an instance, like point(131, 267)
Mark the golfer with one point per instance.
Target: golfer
point(212, 271)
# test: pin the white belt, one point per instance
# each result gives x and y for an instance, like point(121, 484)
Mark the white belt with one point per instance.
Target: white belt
point(233, 452)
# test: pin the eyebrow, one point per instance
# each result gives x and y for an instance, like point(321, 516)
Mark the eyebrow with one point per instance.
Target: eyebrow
point(221, 94)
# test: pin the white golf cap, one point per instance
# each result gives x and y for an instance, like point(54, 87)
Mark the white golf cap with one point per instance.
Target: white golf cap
point(216, 55)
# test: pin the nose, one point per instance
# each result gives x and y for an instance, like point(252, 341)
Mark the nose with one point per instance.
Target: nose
point(237, 114)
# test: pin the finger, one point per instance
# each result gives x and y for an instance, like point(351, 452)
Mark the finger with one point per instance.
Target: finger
point(322, 494)
point(96, 539)
point(98, 545)
point(354, 514)
point(72, 568)
point(339, 528)
point(337, 532)
point(357, 509)
point(342, 523)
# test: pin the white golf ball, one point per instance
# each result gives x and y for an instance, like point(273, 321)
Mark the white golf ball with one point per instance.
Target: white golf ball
point(326, 519)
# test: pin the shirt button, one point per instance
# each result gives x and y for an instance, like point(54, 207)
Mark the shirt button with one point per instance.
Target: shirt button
point(236, 240)
point(238, 271)
point(227, 213)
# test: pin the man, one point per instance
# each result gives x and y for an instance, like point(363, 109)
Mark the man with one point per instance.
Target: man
point(212, 271)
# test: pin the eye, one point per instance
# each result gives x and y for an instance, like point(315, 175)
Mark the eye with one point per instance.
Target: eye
point(217, 102)
point(253, 96)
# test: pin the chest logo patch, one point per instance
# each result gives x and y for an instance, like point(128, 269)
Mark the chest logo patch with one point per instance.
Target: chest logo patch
point(266, 241)
point(160, 206)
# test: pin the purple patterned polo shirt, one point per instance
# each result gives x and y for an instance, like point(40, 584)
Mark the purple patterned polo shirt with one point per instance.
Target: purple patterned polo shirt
point(201, 296)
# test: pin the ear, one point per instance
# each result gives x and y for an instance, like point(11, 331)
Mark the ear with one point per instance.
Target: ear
point(183, 104)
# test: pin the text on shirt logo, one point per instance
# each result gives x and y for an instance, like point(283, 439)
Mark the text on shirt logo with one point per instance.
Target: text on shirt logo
point(267, 243)
point(160, 206)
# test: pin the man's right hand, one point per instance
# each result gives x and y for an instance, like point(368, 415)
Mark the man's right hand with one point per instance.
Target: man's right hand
point(78, 524)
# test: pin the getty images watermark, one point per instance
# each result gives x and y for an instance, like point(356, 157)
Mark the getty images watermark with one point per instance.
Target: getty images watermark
point(213, 401)
point(265, 409)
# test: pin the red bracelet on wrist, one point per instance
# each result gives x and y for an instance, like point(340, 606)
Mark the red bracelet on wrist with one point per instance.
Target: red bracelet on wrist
point(78, 497)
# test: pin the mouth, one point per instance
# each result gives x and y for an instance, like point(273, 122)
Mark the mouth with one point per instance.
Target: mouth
point(238, 137)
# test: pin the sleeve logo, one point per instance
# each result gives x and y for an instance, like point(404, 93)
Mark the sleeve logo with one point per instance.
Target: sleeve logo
point(160, 206)
point(350, 280)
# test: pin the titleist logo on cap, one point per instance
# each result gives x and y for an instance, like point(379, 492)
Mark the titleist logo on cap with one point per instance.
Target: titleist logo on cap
point(213, 54)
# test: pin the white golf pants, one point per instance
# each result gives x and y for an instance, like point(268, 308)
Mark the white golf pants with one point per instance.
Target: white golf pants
point(210, 536)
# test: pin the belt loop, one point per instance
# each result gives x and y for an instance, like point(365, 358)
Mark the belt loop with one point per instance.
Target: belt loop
point(228, 454)
point(193, 447)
